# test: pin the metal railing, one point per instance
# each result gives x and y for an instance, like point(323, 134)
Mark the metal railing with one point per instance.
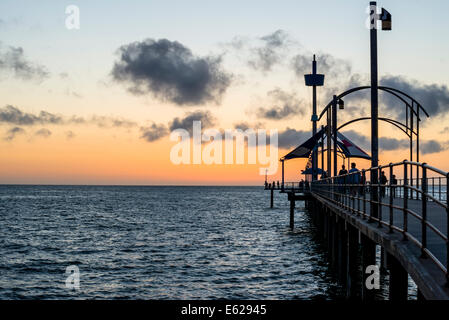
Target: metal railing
point(419, 211)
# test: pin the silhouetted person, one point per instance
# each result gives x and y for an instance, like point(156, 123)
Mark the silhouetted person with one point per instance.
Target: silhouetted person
point(354, 178)
point(342, 180)
point(394, 183)
point(383, 182)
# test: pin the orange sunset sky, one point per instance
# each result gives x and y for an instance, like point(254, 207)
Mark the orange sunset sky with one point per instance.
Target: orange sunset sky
point(96, 105)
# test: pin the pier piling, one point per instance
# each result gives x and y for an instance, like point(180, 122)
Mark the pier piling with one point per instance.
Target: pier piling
point(368, 259)
point(398, 280)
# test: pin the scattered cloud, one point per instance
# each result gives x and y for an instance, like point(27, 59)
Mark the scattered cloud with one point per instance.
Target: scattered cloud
point(45, 133)
point(284, 105)
point(13, 115)
point(169, 71)
point(13, 132)
point(154, 132)
point(290, 138)
point(206, 118)
point(432, 146)
point(12, 60)
point(433, 97)
point(271, 52)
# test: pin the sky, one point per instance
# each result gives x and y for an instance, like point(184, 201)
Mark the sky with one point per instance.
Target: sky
point(96, 105)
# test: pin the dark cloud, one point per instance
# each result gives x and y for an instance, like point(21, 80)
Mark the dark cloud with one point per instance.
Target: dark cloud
point(243, 125)
point(14, 115)
point(433, 97)
point(385, 143)
point(12, 59)
point(271, 52)
point(45, 133)
point(154, 132)
point(284, 105)
point(432, 146)
point(206, 118)
point(170, 71)
point(389, 144)
point(13, 132)
point(290, 138)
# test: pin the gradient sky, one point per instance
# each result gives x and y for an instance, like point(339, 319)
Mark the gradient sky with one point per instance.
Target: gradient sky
point(79, 83)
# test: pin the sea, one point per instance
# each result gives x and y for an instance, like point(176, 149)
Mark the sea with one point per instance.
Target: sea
point(158, 242)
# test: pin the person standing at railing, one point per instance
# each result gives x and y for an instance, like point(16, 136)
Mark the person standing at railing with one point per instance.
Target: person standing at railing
point(383, 182)
point(394, 183)
point(342, 180)
point(354, 179)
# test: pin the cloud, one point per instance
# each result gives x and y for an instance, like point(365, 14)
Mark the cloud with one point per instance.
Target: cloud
point(45, 133)
point(13, 132)
point(170, 71)
point(433, 97)
point(389, 144)
point(12, 60)
point(154, 132)
point(385, 143)
point(290, 138)
point(271, 52)
point(206, 118)
point(13, 115)
point(284, 105)
point(243, 125)
point(327, 64)
point(432, 146)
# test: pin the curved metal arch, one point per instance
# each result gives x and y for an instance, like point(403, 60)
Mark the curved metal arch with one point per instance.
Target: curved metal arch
point(403, 100)
point(403, 93)
point(383, 88)
point(391, 121)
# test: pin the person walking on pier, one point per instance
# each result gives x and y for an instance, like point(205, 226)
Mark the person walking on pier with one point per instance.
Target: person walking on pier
point(383, 182)
point(342, 180)
point(354, 179)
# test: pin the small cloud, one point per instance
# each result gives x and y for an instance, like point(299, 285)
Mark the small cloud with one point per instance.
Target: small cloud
point(44, 133)
point(12, 60)
point(13, 132)
point(206, 118)
point(284, 105)
point(154, 132)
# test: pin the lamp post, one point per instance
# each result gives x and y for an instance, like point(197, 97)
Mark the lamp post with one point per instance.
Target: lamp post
point(314, 80)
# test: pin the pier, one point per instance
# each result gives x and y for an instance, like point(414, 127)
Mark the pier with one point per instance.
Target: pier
point(401, 208)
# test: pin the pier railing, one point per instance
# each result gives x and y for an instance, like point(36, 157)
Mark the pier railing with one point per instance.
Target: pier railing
point(419, 210)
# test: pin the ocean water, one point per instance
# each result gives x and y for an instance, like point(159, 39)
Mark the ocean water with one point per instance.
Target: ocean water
point(157, 243)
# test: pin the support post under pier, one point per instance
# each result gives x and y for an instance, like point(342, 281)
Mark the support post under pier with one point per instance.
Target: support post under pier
point(352, 277)
point(272, 198)
point(368, 259)
point(398, 280)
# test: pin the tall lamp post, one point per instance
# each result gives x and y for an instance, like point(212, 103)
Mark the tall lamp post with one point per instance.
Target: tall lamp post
point(314, 80)
point(385, 17)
